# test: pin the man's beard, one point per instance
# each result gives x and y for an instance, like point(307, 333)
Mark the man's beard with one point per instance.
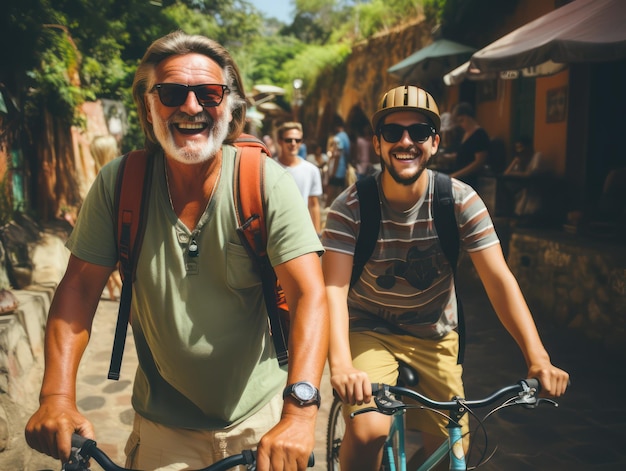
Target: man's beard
point(406, 181)
point(193, 152)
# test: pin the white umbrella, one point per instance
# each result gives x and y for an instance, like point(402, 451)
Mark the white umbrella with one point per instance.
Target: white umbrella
point(581, 31)
point(463, 71)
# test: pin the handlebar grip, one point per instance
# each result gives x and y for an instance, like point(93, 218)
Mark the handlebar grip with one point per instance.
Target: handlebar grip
point(533, 383)
point(250, 458)
point(78, 440)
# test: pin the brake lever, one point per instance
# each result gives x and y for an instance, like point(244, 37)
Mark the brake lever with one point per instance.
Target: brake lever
point(386, 403)
point(529, 400)
point(549, 401)
point(363, 411)
point(528, 397)
point(77, 462)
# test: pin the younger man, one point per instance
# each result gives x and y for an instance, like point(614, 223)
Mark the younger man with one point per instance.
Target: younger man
point(306, 175)
point(403, 306)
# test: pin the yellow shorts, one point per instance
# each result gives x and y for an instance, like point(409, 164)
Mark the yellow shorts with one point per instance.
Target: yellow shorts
point(440, 377)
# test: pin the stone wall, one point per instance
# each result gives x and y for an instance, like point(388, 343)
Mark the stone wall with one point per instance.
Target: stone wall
point(21, 354)
point(580, 282)
point(353, 89)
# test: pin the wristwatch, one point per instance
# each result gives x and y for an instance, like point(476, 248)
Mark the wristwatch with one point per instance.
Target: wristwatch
point(303, 392)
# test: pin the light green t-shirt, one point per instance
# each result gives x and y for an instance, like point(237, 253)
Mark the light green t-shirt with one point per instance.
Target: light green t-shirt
point(206, 359)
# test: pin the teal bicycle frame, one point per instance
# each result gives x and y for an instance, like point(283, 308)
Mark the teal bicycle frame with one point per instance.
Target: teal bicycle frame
point(395, 459)
point(522, 393)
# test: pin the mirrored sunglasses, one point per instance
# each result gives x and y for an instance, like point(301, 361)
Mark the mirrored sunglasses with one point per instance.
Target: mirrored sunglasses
point(208, 95)
point(419, 132)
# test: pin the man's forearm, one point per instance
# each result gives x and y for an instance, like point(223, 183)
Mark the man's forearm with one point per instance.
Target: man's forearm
point(302, 281)
point(314, 211)
point(69, 325)
point(63, 350)
point(308, 340)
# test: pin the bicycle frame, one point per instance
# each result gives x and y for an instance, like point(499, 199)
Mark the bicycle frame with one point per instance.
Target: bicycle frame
point(394, 448)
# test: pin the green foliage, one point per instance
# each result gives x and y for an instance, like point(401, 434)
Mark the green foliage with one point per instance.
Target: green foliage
point(312, 61)
point(55, 82)
point(193, 22)
point(315, 21)
point(381, 15)
point(266, 59)
point(437, 10)
point(90, 49)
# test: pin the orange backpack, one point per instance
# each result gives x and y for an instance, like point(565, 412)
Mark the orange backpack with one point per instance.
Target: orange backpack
point(249, 188)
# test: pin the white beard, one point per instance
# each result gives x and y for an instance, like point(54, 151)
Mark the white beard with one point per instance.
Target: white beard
point(192, 152)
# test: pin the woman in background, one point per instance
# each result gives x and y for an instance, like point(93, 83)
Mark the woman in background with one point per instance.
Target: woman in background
point(104, 149)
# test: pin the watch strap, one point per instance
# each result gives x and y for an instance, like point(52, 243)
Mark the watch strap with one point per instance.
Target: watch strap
point(290, 391)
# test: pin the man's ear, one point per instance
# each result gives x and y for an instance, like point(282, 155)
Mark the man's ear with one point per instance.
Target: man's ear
point(435, 146)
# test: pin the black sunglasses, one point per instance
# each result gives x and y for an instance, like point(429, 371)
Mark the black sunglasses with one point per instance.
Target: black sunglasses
point(419, 132)
point(209, 95)
point(291, 140)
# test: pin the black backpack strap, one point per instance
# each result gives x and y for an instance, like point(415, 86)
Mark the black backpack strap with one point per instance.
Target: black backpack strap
point(448, 233)
point(369, 204)
point(130, 220)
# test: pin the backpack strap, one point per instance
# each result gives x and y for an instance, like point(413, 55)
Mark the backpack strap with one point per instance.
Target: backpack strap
point(130, 220)
point(249, 190)
point(369, 204)
point(448, 234)
point(248, 140)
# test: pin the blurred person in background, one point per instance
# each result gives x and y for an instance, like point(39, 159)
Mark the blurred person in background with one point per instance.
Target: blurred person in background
point(306, 175)
point(472, 152)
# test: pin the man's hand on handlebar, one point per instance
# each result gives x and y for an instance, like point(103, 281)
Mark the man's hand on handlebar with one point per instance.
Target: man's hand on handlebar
point(289, 444)
point(554, 381)
point(352, 386)
point(50, 429)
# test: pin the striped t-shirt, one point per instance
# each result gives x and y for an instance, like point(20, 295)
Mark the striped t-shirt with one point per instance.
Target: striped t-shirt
point(407, 286)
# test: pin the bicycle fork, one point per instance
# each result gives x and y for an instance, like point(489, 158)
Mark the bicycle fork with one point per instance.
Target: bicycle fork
point(394, 458)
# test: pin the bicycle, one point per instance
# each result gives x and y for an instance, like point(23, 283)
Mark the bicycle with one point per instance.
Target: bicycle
point(523, 393)
point(83, 449)
point(407, 376)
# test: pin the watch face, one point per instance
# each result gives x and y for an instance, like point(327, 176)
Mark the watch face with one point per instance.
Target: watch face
point(304, 391)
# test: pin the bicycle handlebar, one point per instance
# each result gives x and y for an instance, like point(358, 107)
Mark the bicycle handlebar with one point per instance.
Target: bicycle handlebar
point(84, 448)
point(526, 390)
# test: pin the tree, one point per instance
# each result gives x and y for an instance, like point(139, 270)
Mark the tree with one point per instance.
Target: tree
point(63, 52)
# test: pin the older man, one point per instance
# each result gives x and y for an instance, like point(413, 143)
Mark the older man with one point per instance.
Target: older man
point(208, 383)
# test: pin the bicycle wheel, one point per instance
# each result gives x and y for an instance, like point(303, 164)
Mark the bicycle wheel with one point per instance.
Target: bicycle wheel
point(334, 435)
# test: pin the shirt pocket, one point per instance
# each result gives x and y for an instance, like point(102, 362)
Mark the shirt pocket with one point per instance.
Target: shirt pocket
point(241, 272)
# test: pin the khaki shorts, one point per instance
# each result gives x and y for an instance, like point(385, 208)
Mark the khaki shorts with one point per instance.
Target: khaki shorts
point(156, 446)
point(440, 377)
